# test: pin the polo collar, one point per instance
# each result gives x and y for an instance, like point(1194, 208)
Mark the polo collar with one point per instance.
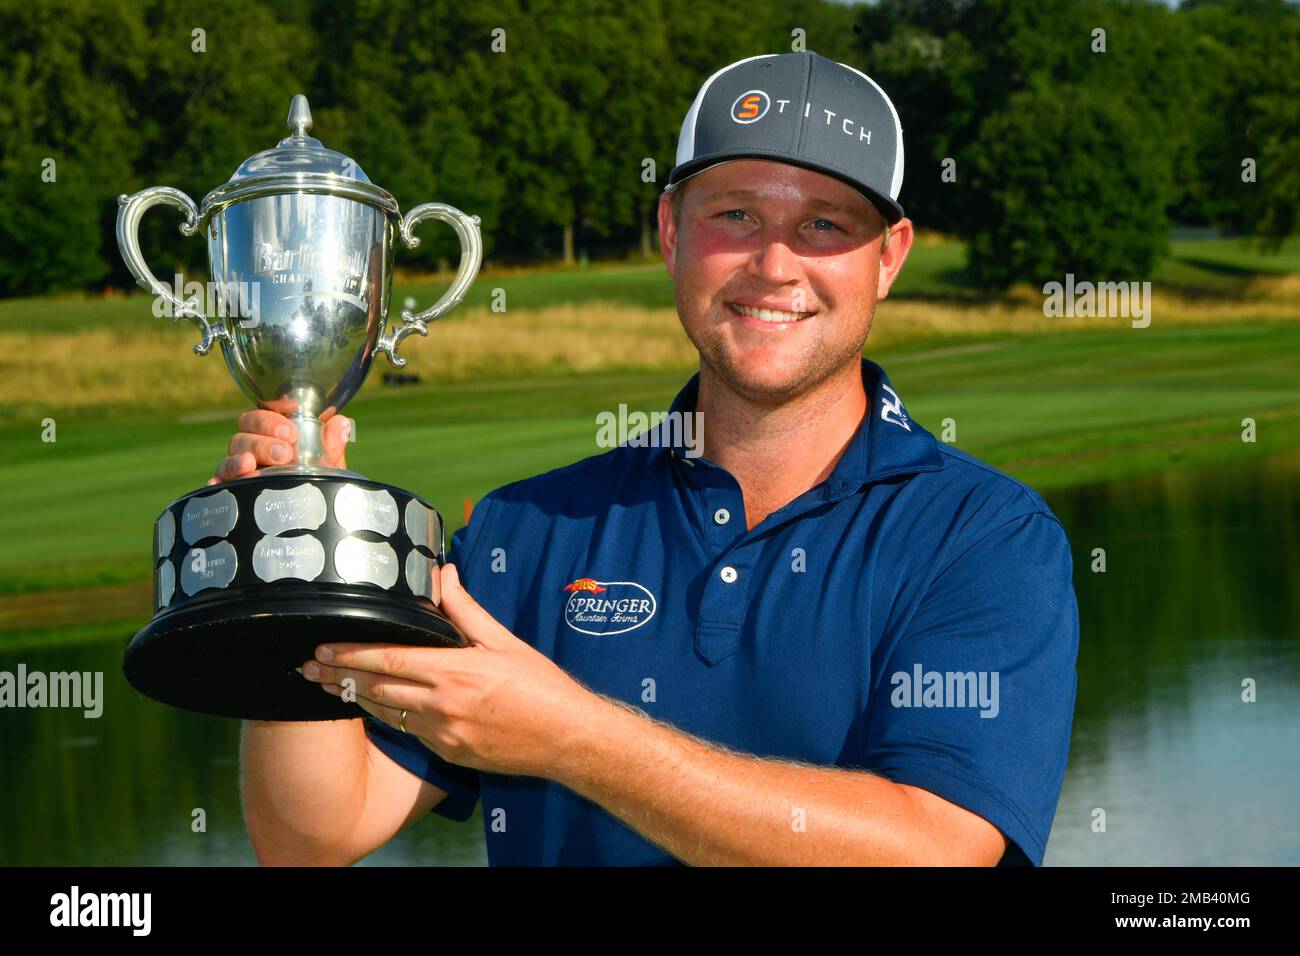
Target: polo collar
point(888, 443)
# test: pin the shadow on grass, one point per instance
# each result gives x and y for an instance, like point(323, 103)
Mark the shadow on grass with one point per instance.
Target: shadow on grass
point(949, 284)
point(1223, 268)
point(1197, 277)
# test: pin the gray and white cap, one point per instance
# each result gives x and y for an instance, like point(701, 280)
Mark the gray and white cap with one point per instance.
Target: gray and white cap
point(799, 108)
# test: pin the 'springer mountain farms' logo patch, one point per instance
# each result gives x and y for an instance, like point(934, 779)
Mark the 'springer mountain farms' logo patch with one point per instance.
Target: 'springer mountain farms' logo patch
point(607, 607)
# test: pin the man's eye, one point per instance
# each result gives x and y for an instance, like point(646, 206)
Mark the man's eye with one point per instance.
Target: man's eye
point(828, 222)
point(728, 212)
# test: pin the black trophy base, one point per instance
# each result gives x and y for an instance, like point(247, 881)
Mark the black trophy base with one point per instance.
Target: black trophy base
point(251, 575)
point(236, 657)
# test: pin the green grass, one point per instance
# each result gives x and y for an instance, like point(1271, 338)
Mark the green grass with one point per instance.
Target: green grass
point(90, 632)
point(645, 284)
point(1081, 407)
point(1054, 410)
point(78, 512)
point(1241, 256)
point(935, 269)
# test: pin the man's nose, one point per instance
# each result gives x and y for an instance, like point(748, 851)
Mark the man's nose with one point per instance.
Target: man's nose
point(774, 261)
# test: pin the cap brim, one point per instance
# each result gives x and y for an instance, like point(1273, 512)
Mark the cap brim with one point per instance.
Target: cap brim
point(889, 208)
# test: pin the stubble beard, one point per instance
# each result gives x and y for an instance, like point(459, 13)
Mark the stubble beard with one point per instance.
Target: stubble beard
point(818, 368)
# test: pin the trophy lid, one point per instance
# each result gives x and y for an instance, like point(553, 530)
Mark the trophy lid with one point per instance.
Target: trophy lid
point(298, 164)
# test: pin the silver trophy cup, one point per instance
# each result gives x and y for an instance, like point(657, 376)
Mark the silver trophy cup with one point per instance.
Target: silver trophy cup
point(251, 575)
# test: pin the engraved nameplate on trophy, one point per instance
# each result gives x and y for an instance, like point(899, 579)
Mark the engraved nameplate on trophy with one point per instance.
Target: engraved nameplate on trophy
point(212, 516)
point(369, 562)
point(357, 509)
point(212, 567)
point(301, 556)
point(289, 509)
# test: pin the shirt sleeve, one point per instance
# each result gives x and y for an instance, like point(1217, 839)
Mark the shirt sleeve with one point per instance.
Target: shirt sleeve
point(460, 783)
point(975, 701)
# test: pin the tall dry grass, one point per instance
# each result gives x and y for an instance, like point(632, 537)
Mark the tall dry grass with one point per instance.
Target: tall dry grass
point(45, 373)
point(1265, 299)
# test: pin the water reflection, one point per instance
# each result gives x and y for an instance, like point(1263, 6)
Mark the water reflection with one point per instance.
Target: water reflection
point(121, 789)
point(1198, 595)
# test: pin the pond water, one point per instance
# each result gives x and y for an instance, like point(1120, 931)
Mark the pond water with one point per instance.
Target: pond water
point(1199, 597)
point(1198, 602)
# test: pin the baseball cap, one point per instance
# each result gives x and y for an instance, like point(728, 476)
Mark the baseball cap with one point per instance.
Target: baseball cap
point(800, 108)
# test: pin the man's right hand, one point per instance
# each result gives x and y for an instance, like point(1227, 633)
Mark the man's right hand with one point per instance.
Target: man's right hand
point(267, 438)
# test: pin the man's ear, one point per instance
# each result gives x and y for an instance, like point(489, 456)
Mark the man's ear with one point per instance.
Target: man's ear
point(667, 234)
point(892, 259)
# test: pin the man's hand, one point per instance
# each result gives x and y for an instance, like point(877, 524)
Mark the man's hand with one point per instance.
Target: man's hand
point(267, 438)
point(498, 705)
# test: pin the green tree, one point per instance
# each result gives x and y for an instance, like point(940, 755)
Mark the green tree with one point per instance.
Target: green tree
point(1251, 48)
point(409, 97)
point(1273, 138)
point(49, 230)
point(65, 78)
point(219, 79)
point(1069, 182)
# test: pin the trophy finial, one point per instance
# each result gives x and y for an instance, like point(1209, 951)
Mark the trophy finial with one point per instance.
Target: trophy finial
point(299, 116)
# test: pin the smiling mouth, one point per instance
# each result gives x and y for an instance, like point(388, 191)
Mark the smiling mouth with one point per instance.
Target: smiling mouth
point(767, 315)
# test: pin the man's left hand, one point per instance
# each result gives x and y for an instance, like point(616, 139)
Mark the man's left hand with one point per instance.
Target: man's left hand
point(498, 705)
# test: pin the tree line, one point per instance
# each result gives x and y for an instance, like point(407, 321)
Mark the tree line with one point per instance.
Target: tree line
point(1054, 137)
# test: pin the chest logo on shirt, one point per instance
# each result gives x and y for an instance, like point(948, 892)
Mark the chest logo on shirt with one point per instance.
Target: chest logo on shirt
point(607, 607)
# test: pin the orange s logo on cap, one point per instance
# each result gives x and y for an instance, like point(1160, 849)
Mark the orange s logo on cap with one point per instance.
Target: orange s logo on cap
point(750, 107)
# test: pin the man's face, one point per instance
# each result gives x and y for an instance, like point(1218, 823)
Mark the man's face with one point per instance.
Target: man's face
point(755, 234)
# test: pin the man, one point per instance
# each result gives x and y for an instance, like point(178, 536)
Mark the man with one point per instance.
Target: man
point(829, 639)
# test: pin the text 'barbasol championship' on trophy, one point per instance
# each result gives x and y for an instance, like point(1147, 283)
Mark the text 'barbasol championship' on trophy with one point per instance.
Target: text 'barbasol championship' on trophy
point(252, 575)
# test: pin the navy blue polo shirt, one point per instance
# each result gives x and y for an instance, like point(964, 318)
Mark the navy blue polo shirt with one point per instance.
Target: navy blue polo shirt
point(913, 615)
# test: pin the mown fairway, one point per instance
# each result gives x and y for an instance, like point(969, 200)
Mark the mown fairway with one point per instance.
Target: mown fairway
point(1057, 409)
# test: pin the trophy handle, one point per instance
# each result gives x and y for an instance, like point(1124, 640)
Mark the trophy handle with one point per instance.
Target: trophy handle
point(471, 256)
point(129, 213)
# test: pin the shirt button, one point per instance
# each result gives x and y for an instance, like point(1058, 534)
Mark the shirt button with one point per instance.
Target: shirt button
point(721, 516)
point(729, 574)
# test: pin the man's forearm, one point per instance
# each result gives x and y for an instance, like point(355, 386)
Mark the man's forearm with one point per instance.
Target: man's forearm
point(706, 806)
point(301, 784)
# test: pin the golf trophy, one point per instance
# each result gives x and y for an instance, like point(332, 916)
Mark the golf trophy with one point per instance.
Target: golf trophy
point(250, 575)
